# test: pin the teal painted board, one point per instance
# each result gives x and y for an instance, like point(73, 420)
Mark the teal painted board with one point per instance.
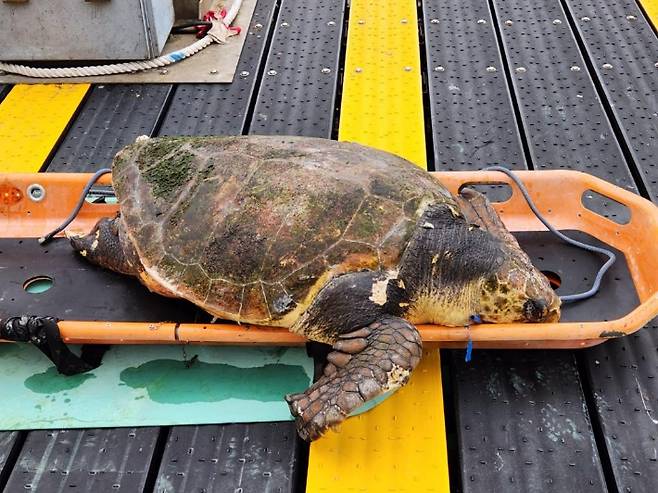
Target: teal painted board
point(152, 385)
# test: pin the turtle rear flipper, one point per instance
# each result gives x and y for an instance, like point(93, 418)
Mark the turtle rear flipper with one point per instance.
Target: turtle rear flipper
point(106, 245)
point(364, 364)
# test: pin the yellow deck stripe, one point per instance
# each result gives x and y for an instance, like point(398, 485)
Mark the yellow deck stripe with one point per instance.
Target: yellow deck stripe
point(32, 119)
point(651, 8)
point(400, 445)
point(382, 103)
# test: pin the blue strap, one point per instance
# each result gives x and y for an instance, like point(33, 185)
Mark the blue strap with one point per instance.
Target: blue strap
point(469, 350)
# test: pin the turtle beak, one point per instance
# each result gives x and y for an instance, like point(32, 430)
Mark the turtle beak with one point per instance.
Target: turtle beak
point(553, 315)
point(540, 311)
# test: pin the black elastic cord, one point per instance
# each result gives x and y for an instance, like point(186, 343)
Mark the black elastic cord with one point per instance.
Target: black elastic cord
point(184, 27)
point(44, 333)
point(585, 246)
point(46, 238)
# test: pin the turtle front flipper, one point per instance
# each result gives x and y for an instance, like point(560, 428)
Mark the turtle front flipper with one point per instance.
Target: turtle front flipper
point(364, 364)
point(477, 209)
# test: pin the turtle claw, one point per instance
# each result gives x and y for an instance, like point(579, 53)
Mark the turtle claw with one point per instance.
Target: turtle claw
point(338, 358)
point(364, 332)
point(291, 397)
point(391, 352)
point(351, 346)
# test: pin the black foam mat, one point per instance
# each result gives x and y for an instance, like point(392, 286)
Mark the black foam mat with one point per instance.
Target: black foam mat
point(576, 268)
point(80, 290)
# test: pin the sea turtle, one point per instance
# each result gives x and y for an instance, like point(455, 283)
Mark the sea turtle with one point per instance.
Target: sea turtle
point(345, 244)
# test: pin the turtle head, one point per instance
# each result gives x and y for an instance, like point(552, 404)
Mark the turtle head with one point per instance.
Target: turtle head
point(510, 289)
point(517, 292)
point(465, 268)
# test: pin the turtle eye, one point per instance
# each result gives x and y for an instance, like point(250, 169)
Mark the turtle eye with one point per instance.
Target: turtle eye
point(535, 310)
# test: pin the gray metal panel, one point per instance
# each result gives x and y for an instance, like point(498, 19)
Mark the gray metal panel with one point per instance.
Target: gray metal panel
point(564, 121)
point(473, 123)
point(84, 30)
point(222, 109)
point(111, 117)
point(523, 424)
point(622, 375)
point(624, 50)
point(239, 457)
point(298, 89)
point(87, 460)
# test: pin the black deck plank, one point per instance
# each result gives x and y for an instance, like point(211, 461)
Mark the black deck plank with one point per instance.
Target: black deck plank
point(112, 116)
point(192, 458)
point(473, 122)
point(237, 457)
point(623, 50)
point(222, 109)
point(523, 423)
point(500, 449)
point(9, 443)
point(271, 462)
point(84, 460)
point(622, 375)
point(298, 90)
point(618, 397)
point(564, 121)
point(191, 461)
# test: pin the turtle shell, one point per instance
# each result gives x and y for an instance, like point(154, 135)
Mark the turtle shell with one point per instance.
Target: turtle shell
point(250, 228)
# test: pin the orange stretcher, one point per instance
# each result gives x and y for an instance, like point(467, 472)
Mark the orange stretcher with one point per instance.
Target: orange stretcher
point(557, 194)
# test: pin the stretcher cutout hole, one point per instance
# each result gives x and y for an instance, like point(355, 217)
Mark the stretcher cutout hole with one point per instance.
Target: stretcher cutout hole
point(606, 207)
point(494, 191)
point(553, 278)
point(38, 284)
point(101, 195)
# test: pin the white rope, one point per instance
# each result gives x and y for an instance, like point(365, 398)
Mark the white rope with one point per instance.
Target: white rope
point(232, 12)
point(218, 33)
